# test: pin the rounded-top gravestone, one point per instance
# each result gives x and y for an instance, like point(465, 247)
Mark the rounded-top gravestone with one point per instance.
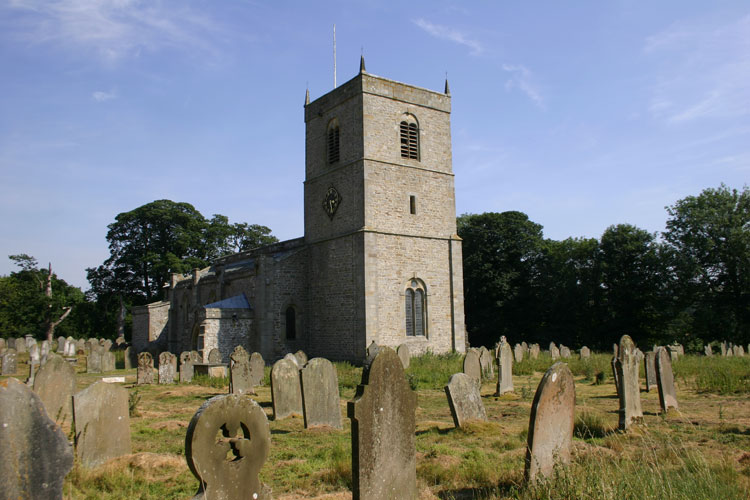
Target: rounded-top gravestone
point(464, 400)
point(55, 383)
point(472, 366)
point(404, 355)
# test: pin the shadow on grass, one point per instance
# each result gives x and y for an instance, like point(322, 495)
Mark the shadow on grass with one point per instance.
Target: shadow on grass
point(734, 430)
point(436, 430)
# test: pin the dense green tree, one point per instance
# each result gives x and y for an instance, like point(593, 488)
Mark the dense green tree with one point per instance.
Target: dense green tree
point(709, 236)
point(500, 253)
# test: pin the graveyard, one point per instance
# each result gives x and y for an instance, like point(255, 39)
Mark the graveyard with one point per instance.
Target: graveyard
point(698, 448)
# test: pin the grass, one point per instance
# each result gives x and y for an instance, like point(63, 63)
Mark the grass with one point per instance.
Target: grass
point(702, 451)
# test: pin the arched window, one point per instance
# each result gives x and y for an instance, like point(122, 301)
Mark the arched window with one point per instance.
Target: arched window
point(291, 323)
point(409, 132)
point(333, 141)
point(416, 309)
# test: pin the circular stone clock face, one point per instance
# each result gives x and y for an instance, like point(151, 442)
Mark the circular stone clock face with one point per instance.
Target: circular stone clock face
point(331, 201)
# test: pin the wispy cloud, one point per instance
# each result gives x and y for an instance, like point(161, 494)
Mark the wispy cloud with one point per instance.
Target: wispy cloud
point(116, 29)
point(101, 96)
point(521, 78)
point(450, 34)
point(704, 70)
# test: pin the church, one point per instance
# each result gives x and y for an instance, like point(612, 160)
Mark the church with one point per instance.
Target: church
point(380, 260)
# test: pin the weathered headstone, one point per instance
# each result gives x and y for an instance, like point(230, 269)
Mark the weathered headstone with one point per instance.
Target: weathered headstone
point(186, 367)
point(94, 361)
point(585, 352)
point(80, 346)
point(34, 357)
point(534, 351)
point(518, 351)
point(383, 425)
point(472, 366)
point(301, 358)
point(564, 352)
point(464, 400)
point(629, 388)
point(35, 455)
point(128, 355)
point(615, 375)
point(61, 345)
point(107, 344)
point(665, 381)
point(291, 357)
point(286, 393)
point(650, 369)
point(44, 351)
point(554, 351)
point(10, 364)
point(167, 368)
point(320, 394)
point(20, 346)
point(2, 344)
point(108, 361)
point(227, 468)
point(102, 423)
point(145, 371)
point(723, 347)
point(372, 349)
point(214, 356)
point(485, 362)
point(404, 355)
point(504, 369)
point(257, 367)
point(239, 372)
point(551, 423)
point(674, 353)
point(55, 384)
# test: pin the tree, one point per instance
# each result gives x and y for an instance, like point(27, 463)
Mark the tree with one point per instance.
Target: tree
point(500, 253)
point(709, 235)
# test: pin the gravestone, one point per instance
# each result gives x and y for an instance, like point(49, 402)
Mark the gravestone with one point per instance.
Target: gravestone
point(736, 350)
point(214, 357)
point(665, 381)
point(107, 344)
point(383, 425)
point(145, 370)
point(551, 423)
point(723, 347)
point(128, 356)
point(11, 343)
point(372, 349)
point(464, 400)
point(629, 386)
point(94, 361)
point(61, 345)
point(615, 375)
point(29, 340)
point(80, 346)
point(320, 394)
point(707, 350)
point(9, 362)
point(650, 369)
point(564, 352)
point(34, 357)
point(730, 351)
point(55, 384)
point(70, 348)
point(554, 352)
point(286, 393)
point(472, 366)
point(226, 444)
point(2, 343)
point(20, 346)
point(291, 357)
point(301, 358)
point(485, 362)
point(404, 355)
point(44, 351)
point(32, 371)
point(257, 367)
point(102, 423)
point(186, 367)
point(534, 351)
point(504, 369)
point(239, 372)
point(35, 455)
point(108, 361)
point(518, 352)
point(585, 352)
point(673, 352)
point(167, 368)
point(525, 347)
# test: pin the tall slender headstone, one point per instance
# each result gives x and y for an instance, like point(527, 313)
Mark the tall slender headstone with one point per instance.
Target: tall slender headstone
point(551, 423)
point(650, 369)
point(464, 400)
point(227, 468)
point(383, 425)
point(320, 394)
point(145, 371)
point(128, 356)
point(554, 351)
point(518, 351)
point(504, 368)
point(186, 367)
point(286, 393)
point(35, 455)
point(665, 381)
point(473, 366)
point(55, 383)
point(485, 362)
point(257, 369)
point(102, 423)
point(629, 387)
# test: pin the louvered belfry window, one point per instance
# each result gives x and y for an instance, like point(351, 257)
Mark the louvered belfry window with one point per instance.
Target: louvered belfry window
point(409, 140)
point(333, 144)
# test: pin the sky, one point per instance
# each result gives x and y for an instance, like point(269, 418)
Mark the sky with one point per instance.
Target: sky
point(580, 114)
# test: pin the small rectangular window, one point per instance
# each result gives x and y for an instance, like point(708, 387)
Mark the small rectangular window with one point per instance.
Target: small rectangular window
point(412, 204)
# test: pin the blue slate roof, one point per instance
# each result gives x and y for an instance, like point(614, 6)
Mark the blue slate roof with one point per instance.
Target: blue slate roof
point(236, 302)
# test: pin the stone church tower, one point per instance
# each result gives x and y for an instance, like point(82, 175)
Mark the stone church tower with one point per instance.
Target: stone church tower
point(380, 260)
point(380, 219)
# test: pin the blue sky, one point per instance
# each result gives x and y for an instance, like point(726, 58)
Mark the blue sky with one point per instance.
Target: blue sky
point(580, 114)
